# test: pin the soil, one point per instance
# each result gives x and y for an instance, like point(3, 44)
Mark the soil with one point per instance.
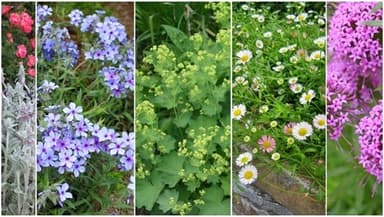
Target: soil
point(124, 12)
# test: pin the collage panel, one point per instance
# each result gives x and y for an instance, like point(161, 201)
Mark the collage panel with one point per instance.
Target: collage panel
point(354, 107)
point(183, 108)
point(18, 122)
point(85, 140)
point(278, 108)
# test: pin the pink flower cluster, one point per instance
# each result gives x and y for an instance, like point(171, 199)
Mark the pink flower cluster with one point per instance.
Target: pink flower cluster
point(370, 131)
point(355, 68)
point(350, 37)
point(24, 22)
point(354, 73)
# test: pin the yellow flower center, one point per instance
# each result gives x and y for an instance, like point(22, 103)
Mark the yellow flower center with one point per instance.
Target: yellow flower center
point(244, 160)
point(321, 122)
point(267, 144)
point(248, 174)
point(244, 58)
point(237, 112)
point(308, 97)
point(303, 131)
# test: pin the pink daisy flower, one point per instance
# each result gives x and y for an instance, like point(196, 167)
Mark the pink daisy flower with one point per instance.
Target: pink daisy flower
point(288, 128)
point(267, 143)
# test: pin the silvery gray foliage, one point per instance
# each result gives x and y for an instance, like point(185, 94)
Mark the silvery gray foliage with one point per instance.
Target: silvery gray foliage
point(18, 147)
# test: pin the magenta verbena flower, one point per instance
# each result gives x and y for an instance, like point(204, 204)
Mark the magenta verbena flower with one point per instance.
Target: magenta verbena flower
point(370, 131)
point(349, 36)
point(348, 94)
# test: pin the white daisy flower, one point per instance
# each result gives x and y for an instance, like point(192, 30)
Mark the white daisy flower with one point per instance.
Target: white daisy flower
point(293, 59)
point(320, 121)
point(320, 42)
point(263, 109)
point(259, 44)
point(244, 56)
point(283, 50)
point(292, 47)
point(321, 22)
point(275, 156)
point(238, 111)
point(307, 97)
point(245, 7)
point(260, 18)
point(237, 69)
point(278, 68)
point(302, 130)
point(267, 34)
point(248, 174)
point(293, 80)
point(296, 88)
point(243, 159)
point(317, 55)
point(241, 80)
point(301, 17)
point(291, 17)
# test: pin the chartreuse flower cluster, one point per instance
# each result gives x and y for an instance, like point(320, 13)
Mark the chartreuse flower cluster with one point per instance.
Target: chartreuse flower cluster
point(278, 90)
point(183, 132)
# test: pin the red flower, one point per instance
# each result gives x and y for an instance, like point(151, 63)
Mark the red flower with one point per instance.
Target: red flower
point(5, 9)
point(32, 43)
point(21, 51)
point(14, 19)
point(10, 37)
point(31, 60)
point(31, 72)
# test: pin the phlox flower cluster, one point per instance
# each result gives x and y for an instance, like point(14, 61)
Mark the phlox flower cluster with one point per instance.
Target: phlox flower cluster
point(110, 46)
point(55, 40)
point(354, 74)
point(68, 140)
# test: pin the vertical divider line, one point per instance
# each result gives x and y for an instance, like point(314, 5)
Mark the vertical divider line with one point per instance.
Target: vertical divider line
point(230, 115)
point(326, 109)
point(1, 112)
point(37, 75)
point(134, 104)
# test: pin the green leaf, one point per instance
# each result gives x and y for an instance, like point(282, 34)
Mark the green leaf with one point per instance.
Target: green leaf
point(192, 185)
point(169, 167)
point(183, 119)
point(226, 185)
point(164, 101)
point(165, 197)
point(147, 194)
point(168, 143)
point(377, 7)
point(213, 193)
point(211, 107)
point(215, 208)
point(378, 23)
point(179, 39)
